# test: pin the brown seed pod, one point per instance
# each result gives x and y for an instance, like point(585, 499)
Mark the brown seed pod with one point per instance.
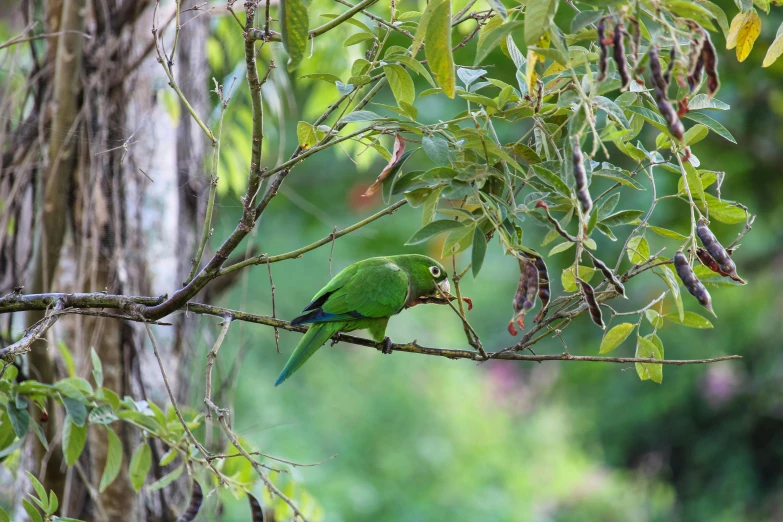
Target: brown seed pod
point(695, 74)
point(667, 76)
point(667, 111)
point(716, 252)
point(580, 176)
point(543, 288)
point(592, 303)
point(196, 498)
point(619, 55)
point(691, 282)
point(710, 59)
point(609, 275)
point(525, 298)
point(256, 511)
point(555, 223)
point(602, 61)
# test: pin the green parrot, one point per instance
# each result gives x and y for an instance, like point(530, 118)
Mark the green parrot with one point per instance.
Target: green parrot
point(364, 296)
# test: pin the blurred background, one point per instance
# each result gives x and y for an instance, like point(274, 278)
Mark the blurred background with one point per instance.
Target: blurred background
point(428, 439)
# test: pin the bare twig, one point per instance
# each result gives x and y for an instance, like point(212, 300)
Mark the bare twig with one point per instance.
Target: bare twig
point(211, 357)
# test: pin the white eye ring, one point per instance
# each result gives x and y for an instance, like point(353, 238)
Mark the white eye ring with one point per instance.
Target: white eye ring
point(435, 271)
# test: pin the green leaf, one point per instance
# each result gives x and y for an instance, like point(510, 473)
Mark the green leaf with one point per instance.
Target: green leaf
point(619, 175)
point(674, 286)
point(695, 134)
point(360, 116)
point(690, 319)
point(585, 18)
point(562, 247)
point(113, 460)
point(611, 109)
point(67, 357)
point(4, 517)
point(294, 30)
point(429, 206)
point(74, 387)
point(654, 317)
point(704, 102)
point(438, 48)
point(646, 348)
point(713, 125)
point(552, 179)
point(139, 467)
point(461, 239)
point(437, 149)
point(39, 432)
point(74, 437)
point(33, 513)
point(357, 38)
point(615, 337)
point(167, 479)
point(76, 410)
point(724, 211)
point(327, 77)
point(607, 206)
point(20, 419)
point(39, 490)
point(97, 368)
point(400, 82)
point(638, 250)
point(498, 7)
point(168, 457)
point(53, 503)
point(569, 281)
point(433, 229)
point(624, 217)
point(538, 17)
point(494, 38)
point(665, 232)
point(479, 251)
point(103, 414)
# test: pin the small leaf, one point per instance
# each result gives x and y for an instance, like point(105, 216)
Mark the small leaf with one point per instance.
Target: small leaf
point(437, 149)
point(569, 281)
point(724, 211)
point(611, 108)
point(97, 368)
point(624, 217)
point(344, 89)
point(615, 337)
point(400, 82)
point(645, 348)
point(76, 410)
point(494, 38)
point(671, 234)
point(690, 319)
point(438, 48)
point(167, 479)
point(585, 18)
point(39, 490)
point(294, 30)
point(327, 77)
point(538, 17)
point(469, 76)
point(396, 158)
point(429, 206)
point(562, 247)
point(433, 229)
point(775, 50)
point(702, 101)
point(361, 116)
point(498, 7)
point(638, 250)
point(695, 134)
point(113, 460)
point(74, 438)
point(747, 34)
point(140, 465)
point(552, 179)
point(20, 419)
point(103, 414)
point(32, 512)
point(713, 125)
point(479, 251)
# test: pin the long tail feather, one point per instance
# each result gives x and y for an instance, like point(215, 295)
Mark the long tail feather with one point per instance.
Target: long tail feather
point(315, 337)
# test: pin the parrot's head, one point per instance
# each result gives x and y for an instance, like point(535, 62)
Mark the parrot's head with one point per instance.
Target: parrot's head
point(427, 275)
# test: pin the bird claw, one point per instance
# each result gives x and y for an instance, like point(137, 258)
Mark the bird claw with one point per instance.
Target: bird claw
point(388, 346)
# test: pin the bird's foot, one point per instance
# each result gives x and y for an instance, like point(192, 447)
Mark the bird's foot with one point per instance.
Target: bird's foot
point(388, 346)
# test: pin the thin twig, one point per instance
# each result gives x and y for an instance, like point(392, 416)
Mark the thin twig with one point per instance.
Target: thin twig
point(211, 358)
point(274, 309)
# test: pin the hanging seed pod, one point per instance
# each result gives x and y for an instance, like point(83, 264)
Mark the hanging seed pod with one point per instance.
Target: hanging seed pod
point(580, 176)
point(525, 298)
point(716, 251)
point(619, 55)
point(543, 288)
point(592, 303)
point(256, 511)
point(196, 498)
point(609, 275)
point(695, 74)
point(691, 282)
point(555, 223)
point(667, 76)
point(602, 57)
point(710, 59)
point(636, 40)
point(672, 121)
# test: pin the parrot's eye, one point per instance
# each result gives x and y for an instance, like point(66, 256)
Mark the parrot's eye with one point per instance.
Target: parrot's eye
point(435, 271)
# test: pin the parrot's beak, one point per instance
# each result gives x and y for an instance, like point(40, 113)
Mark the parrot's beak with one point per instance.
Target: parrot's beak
point(444, 286)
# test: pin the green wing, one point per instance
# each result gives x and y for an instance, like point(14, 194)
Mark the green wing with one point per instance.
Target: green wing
point(368, 289)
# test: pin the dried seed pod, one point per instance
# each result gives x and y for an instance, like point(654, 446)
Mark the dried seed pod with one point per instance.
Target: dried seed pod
point(667, 111)
point(619, 55)
point(710, 59)
point(196, 498)
point(691, 282)
point(695, 74)
point(525, 298)
point(609, 275)
point(580, 176)
point(592, 303)
point(716, 251)
point(636, 41)
point(256, 511)
point(555, 223)
point(602, 61)
point(543, 288)
point(667, 76)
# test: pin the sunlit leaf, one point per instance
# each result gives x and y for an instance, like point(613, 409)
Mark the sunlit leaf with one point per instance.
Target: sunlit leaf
point(615, 337)
point(294, 30)
point(438, 48)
